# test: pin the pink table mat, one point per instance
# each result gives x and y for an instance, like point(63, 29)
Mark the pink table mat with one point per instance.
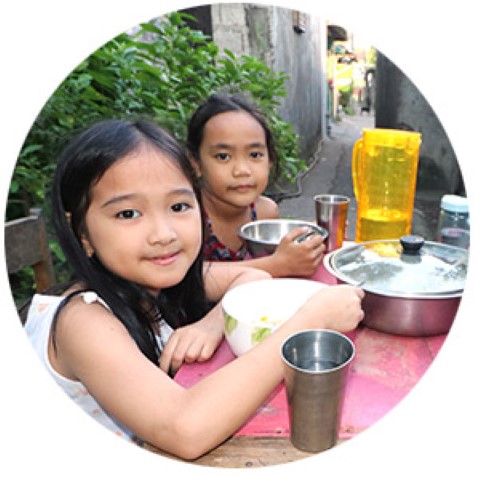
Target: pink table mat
point(385, 368)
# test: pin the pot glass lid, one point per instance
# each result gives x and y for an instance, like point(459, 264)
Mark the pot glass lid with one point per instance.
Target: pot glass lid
point(406, 266)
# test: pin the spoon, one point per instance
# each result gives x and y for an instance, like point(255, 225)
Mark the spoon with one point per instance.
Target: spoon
point(304, 236)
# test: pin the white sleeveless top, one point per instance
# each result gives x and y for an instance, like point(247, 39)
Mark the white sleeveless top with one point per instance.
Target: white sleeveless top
point(38, 327)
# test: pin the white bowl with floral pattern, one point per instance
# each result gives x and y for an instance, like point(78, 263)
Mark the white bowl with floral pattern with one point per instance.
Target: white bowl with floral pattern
point(254, 309)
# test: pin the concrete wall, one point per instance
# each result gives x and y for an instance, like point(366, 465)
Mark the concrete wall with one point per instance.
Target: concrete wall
point(399, 104)
point(230, 29)
point(302, 57)
point(267, 33)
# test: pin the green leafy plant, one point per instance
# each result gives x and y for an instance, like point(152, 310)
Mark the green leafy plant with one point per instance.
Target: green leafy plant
point(162, 72)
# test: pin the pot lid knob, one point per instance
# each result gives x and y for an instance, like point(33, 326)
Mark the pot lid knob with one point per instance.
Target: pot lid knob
point(412, 244)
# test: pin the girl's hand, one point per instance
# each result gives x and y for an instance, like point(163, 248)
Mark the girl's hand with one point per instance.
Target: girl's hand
point(193, 343)
point(336, 307)
point(198, 341)
point(299, 259)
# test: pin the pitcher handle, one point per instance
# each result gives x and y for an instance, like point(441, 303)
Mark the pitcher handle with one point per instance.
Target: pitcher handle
point(356, 162)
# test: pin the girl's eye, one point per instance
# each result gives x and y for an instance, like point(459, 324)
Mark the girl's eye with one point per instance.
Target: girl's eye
point(180, 207)
point(256, 155)
point(222, 156)
point(127, 214)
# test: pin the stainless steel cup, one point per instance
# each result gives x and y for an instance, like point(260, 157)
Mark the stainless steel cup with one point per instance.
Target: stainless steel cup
point(331, 212)
point(315, 370)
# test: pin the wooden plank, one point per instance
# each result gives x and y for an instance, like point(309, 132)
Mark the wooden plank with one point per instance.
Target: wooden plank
point(26, 245)
point(22, 243)
point(241, 452)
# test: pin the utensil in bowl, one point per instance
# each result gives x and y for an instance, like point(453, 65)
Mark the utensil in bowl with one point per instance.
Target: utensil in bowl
point(263, 236)
point(253, 310)
point(413, 287)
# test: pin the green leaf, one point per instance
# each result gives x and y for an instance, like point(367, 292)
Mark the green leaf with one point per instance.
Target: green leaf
point(230, 324)
point(229, 53)
point(29, 149)
point(14, 186)
point(259, 334)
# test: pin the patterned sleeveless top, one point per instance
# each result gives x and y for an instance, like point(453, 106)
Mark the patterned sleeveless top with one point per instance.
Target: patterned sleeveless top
point(38, 329)
point(215, 250)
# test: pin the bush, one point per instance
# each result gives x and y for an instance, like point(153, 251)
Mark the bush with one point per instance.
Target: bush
point(162, 71)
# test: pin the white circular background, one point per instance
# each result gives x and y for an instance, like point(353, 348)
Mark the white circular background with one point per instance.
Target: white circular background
point(430, 433)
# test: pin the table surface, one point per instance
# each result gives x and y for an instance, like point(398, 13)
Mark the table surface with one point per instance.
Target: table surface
point(385, 368)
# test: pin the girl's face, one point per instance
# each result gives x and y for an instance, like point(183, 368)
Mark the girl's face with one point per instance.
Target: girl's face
point(234, 162)
point(144, 222)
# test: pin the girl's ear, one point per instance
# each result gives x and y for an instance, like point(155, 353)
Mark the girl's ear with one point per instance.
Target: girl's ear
point(87, 246)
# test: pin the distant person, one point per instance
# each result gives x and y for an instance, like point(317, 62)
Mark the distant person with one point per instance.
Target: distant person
point(127, 215)
point(233, 151)
point(366, 106)
point(369, 91)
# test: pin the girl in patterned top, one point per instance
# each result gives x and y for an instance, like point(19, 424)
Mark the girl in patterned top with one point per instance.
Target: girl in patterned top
point(127, 214)
point(232, 150)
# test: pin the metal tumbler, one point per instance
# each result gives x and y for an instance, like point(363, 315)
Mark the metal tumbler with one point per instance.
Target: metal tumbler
point(331, 213)
point(315, 370)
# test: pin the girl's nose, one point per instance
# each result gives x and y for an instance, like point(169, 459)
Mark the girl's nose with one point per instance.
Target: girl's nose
point(161, 232)
point(241, 168)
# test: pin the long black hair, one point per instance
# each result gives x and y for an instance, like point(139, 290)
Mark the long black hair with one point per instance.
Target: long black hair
point(81, 164)
point(220, 103)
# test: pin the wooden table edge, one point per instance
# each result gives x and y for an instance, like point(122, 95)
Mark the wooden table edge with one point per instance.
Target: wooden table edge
point(247, 452)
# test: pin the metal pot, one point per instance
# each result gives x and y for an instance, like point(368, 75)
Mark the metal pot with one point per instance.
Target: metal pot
point(412, 287)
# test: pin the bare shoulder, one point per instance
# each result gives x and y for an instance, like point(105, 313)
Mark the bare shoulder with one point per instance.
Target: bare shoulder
point(266, 208)
point(92, 322)
point(85, 312)
point(82, 331)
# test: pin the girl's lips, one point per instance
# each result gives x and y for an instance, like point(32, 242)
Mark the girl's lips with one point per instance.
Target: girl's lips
point(164, 260)
point(243, 188)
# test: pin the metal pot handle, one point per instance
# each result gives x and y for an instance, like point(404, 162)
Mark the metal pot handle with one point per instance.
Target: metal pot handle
point(412, 244)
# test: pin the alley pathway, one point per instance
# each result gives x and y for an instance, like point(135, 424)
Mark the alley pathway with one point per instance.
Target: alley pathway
point(331, 173)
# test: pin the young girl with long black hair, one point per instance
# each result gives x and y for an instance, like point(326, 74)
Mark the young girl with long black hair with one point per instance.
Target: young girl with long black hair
point(128, 217)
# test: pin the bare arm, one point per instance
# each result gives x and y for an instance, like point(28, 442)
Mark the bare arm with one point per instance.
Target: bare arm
point(95, 348)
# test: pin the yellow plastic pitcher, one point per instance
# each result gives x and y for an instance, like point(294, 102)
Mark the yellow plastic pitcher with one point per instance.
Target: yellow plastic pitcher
point(384, 173)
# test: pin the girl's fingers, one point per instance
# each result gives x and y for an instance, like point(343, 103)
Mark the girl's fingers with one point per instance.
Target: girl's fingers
point(166, 356)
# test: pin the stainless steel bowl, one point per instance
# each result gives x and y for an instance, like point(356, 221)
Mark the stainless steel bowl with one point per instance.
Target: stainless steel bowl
point(263, 236)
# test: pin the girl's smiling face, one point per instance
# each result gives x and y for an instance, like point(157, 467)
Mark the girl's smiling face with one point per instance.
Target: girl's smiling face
point(144, 221)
